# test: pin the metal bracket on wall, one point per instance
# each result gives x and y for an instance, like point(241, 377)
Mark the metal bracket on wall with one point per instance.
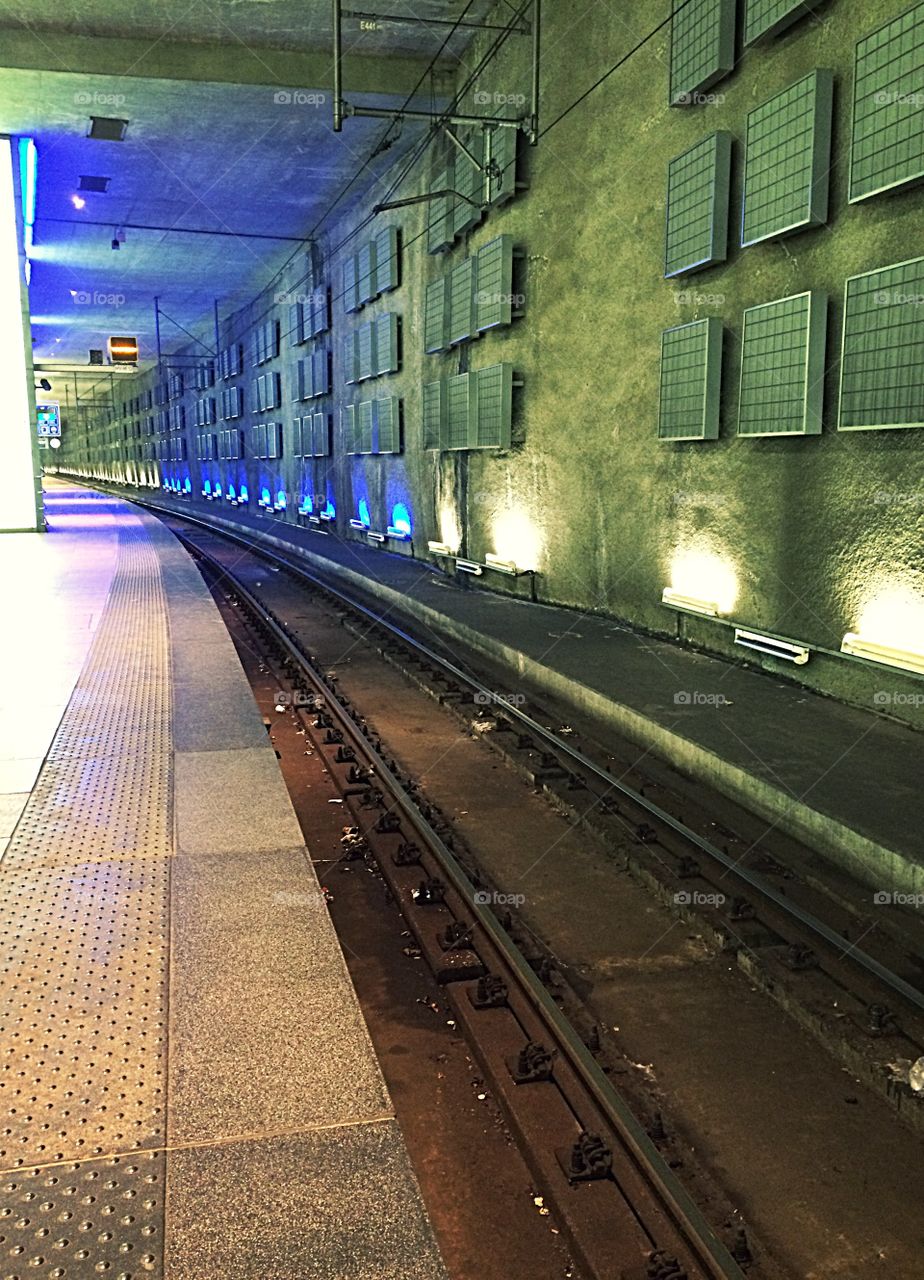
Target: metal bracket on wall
point(342, 108)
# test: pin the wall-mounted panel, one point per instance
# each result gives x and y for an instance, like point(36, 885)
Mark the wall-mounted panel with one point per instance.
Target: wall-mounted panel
point(462, 301)
point(433, 413)
point(501, 155)
point(468, 182)
point(458, 426)
point(388, 424)
point(493, 407)
point(788, 160)
point(387, 260)
point(320, 434)
point(365, 271)
point(386, 353)
point(440, 234)
point(767, 18)
point(702, 47)
point(494, 284)
point(691, 372)
point(782, 366)
point(365, 423)
point(882, 354)
point(351, 300)
point(887, 136)
point(436, 315)
point(697, 206)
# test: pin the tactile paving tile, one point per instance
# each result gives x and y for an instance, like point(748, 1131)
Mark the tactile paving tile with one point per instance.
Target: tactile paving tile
point(93, 1218)
point(84, 918)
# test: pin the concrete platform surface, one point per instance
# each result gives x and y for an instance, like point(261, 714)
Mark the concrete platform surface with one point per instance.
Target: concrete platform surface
point(187, 1082)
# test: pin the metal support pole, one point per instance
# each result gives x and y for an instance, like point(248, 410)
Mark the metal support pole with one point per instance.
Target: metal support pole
point(465, 151)
point(534, 113)
point(157, 331)
point(217, 335)
point(384, 113)
point(338, 68)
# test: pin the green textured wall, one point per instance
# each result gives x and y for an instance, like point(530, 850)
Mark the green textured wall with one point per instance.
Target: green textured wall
point(811, 527)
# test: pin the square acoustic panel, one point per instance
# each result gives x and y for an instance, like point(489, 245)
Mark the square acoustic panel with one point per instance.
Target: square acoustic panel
point(882, 352)
point(766, 18)
point(697, 206)
point(787, 160)
point(702, 47)
point(691, 372)
point(783, 366)
point(887, 135)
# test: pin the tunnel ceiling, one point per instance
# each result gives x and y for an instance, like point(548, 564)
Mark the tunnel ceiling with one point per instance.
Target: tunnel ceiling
point(229, 129)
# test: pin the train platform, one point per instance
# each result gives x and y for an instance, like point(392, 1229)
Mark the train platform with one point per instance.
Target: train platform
point(188, 1089)
point(844, 781)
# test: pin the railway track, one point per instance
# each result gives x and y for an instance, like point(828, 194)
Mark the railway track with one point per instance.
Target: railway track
point(781, 929)
point(627, 1215)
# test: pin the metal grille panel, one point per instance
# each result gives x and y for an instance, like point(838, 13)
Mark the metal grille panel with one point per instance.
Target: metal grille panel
point(888, 107)
point(882, 357)
point(435, 324)
point(386, 343)
point(787, 160)
point(462, 301)
point(458, 408)
point(493, 403)
point(387, 424)
point(702, 47)
point(433, 410)
point(494, 289)
point(387, 272)
point(766, 18)
point(691, 364)
point(697, 206)
point(364, 424)
point(782, 367)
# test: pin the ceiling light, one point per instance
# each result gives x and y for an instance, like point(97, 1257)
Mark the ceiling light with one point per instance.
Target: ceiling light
point(886, 655)
point(78, 202)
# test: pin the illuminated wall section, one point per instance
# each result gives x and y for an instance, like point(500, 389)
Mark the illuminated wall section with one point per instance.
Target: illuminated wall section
point(18, 498)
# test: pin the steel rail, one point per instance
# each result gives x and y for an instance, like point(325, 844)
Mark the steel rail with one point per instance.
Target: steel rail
point(708, 1250)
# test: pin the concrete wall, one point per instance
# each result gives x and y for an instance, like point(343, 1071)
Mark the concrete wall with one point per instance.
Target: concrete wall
point(812, 529)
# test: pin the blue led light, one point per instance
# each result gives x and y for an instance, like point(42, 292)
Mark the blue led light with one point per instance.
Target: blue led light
point(28, 168)
point(264, 497)
point(187, 485)
point(364, 516)
point(207, 488)
point(307, 505)
point(244, 496)
point(217, 489)
point(231, 494)
point(281, 500)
